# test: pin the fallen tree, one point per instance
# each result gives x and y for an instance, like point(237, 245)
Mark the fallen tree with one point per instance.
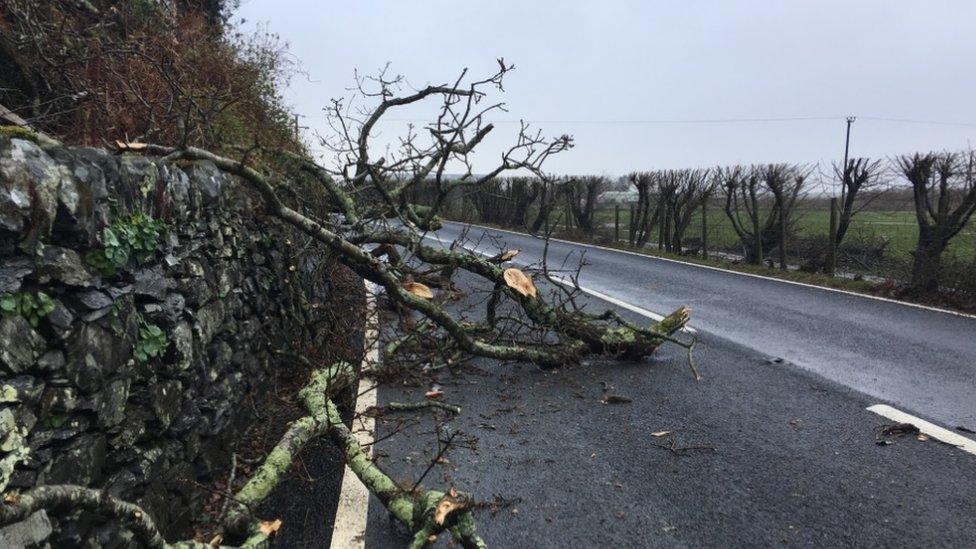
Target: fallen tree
point(366, 194)
point(380, 236)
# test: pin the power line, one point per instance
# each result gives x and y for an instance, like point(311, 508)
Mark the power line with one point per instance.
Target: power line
point(698, 120)
point(913, 121)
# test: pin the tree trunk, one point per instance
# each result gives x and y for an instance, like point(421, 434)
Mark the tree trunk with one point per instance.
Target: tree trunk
point(926, 265)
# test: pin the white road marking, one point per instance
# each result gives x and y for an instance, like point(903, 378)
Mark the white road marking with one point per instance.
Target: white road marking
point(622, 304)
point(774, 279)
point(349, 529)
point(599, 295)
point(930, 429)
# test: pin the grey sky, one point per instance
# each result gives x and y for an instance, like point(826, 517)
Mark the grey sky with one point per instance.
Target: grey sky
point(654, 60)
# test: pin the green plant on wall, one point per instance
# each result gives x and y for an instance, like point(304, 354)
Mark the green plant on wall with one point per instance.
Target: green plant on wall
point(152, 342)
point(32, 307)
point(134, 236)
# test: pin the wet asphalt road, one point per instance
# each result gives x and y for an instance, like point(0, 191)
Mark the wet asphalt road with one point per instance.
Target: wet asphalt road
point(921, 361)
point(763, 453)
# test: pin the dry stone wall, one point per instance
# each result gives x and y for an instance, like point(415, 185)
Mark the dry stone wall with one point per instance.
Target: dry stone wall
point(141, 305)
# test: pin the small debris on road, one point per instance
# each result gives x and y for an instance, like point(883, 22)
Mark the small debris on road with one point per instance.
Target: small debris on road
point(775, 360)
point(659, 434)
point(669, 528)
point(610, 398)
point(888, 433)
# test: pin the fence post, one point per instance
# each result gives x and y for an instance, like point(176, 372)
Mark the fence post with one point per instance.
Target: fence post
point(661, 224)
point(569, 213)
point(832, 244)
point(704, 235)
point(631, 227)
point(616, 223)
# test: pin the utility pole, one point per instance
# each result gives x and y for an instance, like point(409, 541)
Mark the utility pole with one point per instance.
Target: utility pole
point(847, 141)
point(832, 244)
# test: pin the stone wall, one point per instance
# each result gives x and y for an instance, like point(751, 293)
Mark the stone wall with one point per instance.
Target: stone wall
point(135, 380)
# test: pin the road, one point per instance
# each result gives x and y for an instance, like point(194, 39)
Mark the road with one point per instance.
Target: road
point(759, 453)
point(918, 359)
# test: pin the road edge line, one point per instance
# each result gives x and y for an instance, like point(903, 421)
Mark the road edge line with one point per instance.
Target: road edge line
point(618, 302)
point(763, 277)
point(930, 429)
point(349, 526)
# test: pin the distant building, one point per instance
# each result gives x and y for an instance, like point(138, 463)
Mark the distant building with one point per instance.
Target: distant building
point(618, 197)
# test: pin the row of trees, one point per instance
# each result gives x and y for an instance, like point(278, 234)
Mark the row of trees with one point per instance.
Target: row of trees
point(760, 201)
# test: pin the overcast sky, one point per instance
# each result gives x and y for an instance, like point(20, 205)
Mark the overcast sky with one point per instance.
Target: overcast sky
point(595, 70)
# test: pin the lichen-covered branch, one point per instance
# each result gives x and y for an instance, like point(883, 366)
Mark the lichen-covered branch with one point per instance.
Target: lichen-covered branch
point(17, 507)
point(429, 512)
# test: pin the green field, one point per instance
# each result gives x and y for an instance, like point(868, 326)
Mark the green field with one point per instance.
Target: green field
point(899, 227)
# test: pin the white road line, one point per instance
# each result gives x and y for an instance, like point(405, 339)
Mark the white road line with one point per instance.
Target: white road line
point(930, 429)
point(622, 304)
point(774, 279)
point(599, 295)
point(349, 529)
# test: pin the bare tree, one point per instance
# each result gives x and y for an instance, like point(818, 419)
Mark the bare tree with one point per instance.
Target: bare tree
point(546, 193)
point(504, 200)
point(682, 195)
point(944, 191)
point(786, 183)
point(647, 211)
point(582, 193)
point(760, 203)
point(743, 188)
point(861, 183)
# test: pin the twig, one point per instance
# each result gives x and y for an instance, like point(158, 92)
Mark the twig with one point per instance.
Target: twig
point(229, 490)
point(676, 450)
point(412, 406)
point(440, 453)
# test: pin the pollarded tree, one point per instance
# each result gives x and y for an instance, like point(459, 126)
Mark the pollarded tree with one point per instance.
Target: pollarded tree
point(582, 193)
point(760, 203)
point(547, 191)
point(646, 211)
point(861, 183)
point(944, 192)
point(787, 184)
point(684, 191)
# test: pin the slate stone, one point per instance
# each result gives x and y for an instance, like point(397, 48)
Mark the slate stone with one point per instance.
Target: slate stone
point(111, 403)
point(152, 282)
point(12, 274)
point(80, 462)
point(23, 388)
point(94, 300)
point(29, 182)
point(92, 353)
point(182, 338)
point(62, 265)
point(173, 306)
point(118, 291)
point(20, 344)
point(32, 531)
point(60, 316)
point(208, 322)
point(166, 401)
